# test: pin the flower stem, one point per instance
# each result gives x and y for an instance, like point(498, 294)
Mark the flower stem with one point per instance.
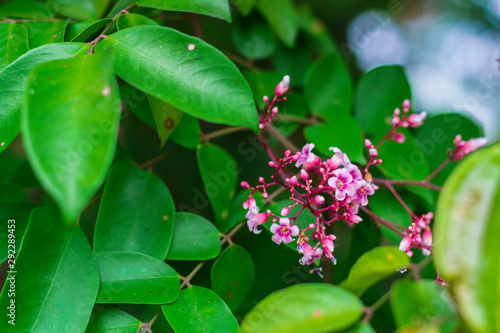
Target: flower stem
point(281, 139)
point(222, 132)
point(401, 201)
point(438, 169)
point(420, 183)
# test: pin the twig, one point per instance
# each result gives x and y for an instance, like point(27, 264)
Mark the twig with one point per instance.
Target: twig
point(420, 183)
point(438, 169)
point(222, 132)
point(281, 139)
point(158, 158)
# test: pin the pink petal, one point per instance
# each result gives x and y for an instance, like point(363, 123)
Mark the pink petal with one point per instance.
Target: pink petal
point(294, 230)
point(274, 228)
point(277, 239)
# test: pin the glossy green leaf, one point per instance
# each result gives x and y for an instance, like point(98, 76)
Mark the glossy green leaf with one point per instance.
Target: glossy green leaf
point(315, 31)
point(195, 238)
point(83, 31)
point(187, 132)
point(220, 174)
point(13, 43)
point(77, 9)
point(133, 20)
point(245, 7)
point(293, 62)
point(215, 8)
point(342, 132)
point(26, 9)
point(422, 302)
point(233, 275)
point(374, 266)
point(79, 98)
point(466, 238)
point(436, 136)
point(101, 6)
point(310, 307)
point(328, 87)
point(166, 117)
point(136, 213)
point(207, 85)
point(199, 310)
point(361, 328)
point(15, 76)
point(55, 277)
point(253, 39)
point(121, 5)
point(45, 32)
point(14, 218)
point(378, 93)
point(386, 206)
point(281, 17)
point(135, 278)
point(106, 319)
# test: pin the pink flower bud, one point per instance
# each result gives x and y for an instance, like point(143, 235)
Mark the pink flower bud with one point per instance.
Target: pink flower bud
point(293, 181)
point(396, 113)
point(312, 226)
point(287, 153)
point(249, 203)
point(272, 164)
point(399, 138)
point(427, 240)
point(304, 175)
point(416, 119)
point(354, 219)
point(261, 218)
point(261, 179)
point(285, 211)
point(319, 200)
point(311, 165)
point(373, 152)
point(295, 157)
point(368, 144)
point(282, 87)
point(245, 184)
point(266, 99)
point(274, 110)
point(406, 105)
point(405, 243)
point(261, 126)
point(457, 140)
point(395, 121)
point(265, 194)
point(334, 162)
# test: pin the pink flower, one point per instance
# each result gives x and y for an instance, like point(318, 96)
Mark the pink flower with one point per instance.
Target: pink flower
point(309, 254)
point(282, 87)
point(249, 203)
point(255, 219)
point(341, 155)
point(354, 219)
point(405, 243)
point(354, 172)
point(416, 119)
point(363, 189)
point(283, 231)
point(306, 155)
point(343, 184)
point(328, 248)
point(463, 148)
point(427, 240)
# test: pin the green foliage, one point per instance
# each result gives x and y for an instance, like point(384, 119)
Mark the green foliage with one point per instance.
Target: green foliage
point(82, 31)
point(19, 213)
point(233, 275)
point(87, 126)
point(214, 8)
point(195, 238)
point(45, 32)
point(254, 40)
point(281, 16)
point(466, 232)
point(13, 43)
point(109, 319)
point(304, 307)
point(374, 266)
point(199, 310)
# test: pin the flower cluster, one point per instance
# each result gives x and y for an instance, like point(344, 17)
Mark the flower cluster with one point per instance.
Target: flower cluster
point(272, 110)
point(418, 235)
point(463, 148)
point(331, 190)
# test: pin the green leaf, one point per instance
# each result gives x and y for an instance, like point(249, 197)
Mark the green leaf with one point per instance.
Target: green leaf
point(361, 328)
point(166, 117)
point(219, 173)
point(374, 266)
point(121, 5)
point(315, 31)
point(310, 307)
point(133, 20)
point(253, 39)
point(342, 132)
point(195, 238)
point(293, 62)
point(437, 134)
point(214, 8)
point(378, 93)
point(26, 9)
point(187, 133)
point(136, 213)
point(385, 205)
point(233, 275)
point(79, 98)
point(107, 319)
point(45, 32)
point(77, 9)
point(15, 76)
point(245, 7)
point(466, 238)
point(55, 277)
point(14, 218)
point(135, 278)
point(13, 43)
point(83, 31)
point(207, 85)
point(328, 87)
point(101, 6)
point(199, 310)
point(281, 17)
point(422, 302)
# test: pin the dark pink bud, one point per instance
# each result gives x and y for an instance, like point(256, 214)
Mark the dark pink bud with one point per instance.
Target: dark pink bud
point(285, 211)
point(399, 138)
point(293, 181)
point(266, 99)
point(261, 179)
point(334, 162)
point(427, 240)
point(406, 105)
point(405, 243)
point(272, 164)
point(373, 152)
point(304, 175)
point(319, 200)
point(287, 153)
point(368, 144)
point(245, 184)
point(274, 110)
point(311, 165)
point(282, 87)
point(261, 126)
point(397, 112)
